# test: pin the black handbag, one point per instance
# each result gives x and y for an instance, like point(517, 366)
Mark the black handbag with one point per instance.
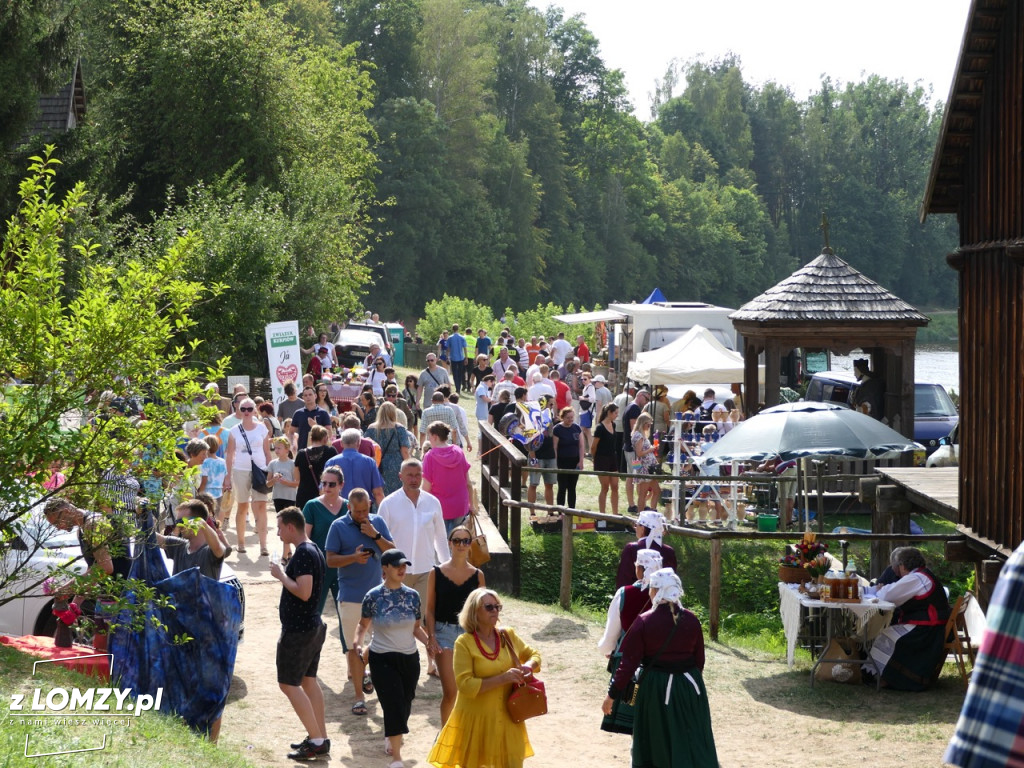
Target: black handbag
point(633, 686)
point(259, 475)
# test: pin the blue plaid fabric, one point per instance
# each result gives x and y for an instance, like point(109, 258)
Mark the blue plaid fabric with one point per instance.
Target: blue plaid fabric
point(990, 731)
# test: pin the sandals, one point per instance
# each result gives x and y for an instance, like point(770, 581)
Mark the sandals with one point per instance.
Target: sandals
point(264, 553)
point(359, 708)
point(240, 550)
point(367, 683)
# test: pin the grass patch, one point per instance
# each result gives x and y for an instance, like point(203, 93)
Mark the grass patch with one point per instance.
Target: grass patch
point(151, 740)
point(750, 598)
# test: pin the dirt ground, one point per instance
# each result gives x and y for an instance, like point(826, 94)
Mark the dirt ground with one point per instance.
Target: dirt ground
point(764, 714)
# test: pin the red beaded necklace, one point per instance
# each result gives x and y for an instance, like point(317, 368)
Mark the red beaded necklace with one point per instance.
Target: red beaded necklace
point(488, 654)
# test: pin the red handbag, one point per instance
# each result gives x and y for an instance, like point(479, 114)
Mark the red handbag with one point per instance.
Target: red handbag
point(527, 700)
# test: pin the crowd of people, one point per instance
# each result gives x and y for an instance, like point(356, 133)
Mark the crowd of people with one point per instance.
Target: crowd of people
point(372, 502)
point(372, 496)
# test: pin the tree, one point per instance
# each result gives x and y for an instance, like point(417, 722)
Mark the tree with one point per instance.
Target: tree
point(127, 331)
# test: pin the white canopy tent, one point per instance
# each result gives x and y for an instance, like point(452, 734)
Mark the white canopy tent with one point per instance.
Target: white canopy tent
point(697, 357)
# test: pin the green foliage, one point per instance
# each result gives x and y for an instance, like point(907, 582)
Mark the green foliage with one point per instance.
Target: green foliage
point(439, 315)
point(508, 162)
point(127, 330)
point(39, 52)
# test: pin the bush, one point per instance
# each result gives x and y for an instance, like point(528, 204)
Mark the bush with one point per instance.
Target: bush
point(439, 315)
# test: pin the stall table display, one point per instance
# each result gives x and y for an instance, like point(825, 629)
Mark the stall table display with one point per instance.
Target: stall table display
point(866, 618)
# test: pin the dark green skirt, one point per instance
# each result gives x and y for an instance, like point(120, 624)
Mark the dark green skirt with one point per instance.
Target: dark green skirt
point(677, 734)
point(621, 718)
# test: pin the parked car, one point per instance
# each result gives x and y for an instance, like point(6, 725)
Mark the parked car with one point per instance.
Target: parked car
point(934, 412)
point(376, 328)
point(355, 345)
point(948, 452)
point(40, 548)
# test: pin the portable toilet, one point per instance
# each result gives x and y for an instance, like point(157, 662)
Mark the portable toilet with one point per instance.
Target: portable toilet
point(396, 332)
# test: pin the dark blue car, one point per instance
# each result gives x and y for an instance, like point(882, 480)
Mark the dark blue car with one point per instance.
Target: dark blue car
point(934, 412)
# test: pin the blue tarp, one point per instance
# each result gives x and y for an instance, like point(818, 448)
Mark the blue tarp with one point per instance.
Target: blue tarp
point(195, 675)
point(656, 295)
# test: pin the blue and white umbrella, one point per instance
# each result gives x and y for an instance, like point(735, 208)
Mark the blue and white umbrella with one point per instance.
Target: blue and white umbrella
point(809, 430)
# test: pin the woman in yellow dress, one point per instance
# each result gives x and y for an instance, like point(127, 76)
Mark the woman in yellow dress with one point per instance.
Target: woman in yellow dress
point(488, 662)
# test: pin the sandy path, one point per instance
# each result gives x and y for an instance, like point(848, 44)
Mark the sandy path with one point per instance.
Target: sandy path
point(764, 714)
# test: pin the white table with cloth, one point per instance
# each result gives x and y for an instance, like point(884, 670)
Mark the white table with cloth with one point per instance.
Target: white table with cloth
point(870, 616)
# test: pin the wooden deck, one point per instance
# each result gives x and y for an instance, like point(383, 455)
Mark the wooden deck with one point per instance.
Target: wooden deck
point(934, 489)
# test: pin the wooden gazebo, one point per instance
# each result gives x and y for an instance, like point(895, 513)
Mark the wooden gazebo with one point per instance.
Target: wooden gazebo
point(978, 174)
point(830, 305)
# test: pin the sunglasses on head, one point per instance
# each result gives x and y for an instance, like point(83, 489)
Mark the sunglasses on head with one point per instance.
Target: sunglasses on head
point(461, 542)
point(246, 409)
point(327, 484)
point(492, 607)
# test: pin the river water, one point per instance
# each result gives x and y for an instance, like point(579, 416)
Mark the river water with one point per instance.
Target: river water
point(933, 364)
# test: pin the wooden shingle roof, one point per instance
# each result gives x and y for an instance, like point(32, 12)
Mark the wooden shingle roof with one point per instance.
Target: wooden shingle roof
point(61, 111)
point(826, 290)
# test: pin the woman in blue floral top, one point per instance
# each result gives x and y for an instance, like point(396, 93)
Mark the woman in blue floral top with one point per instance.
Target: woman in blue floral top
point(394, 612)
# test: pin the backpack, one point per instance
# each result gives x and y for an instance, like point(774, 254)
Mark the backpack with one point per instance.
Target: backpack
point(705, 414)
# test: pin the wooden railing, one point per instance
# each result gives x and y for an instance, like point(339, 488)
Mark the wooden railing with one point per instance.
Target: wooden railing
point(501, 481)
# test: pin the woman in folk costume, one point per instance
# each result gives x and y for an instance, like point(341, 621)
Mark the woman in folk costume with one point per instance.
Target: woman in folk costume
point(650, 531)
point(672, 724)
point(627, 603)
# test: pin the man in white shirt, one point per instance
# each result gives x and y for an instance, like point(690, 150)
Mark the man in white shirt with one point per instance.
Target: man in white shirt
point(503, 363)
point(541, 387)
point(506, 384)
point(538, 361)
point(560, 350)
point(416, 522)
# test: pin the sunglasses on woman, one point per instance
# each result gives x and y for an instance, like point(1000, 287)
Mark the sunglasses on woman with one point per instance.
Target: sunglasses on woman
point(246, 409)
point(492, 607)
point(327, 484)
point(461, 542)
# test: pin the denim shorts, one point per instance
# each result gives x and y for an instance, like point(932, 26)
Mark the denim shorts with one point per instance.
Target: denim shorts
point(447, 634)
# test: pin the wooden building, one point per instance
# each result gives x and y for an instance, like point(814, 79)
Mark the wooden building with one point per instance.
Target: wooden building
point(978, 174)
point(828, 304)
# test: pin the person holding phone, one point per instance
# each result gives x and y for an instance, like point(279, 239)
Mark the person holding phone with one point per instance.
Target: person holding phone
point(354, 544)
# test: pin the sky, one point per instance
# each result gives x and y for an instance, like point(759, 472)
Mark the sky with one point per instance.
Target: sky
point(791, 42)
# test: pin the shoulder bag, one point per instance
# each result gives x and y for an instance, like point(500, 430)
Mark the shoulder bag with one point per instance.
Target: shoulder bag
point(259, 475)
point(529, 699)
point(478, 552)
point(633, 686)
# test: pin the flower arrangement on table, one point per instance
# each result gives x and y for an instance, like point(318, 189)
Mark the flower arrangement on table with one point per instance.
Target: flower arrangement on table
point(808, 562)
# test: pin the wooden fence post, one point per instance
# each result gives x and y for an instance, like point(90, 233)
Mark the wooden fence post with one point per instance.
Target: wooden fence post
point(715, 598)
point(565, 584)
point(892, 515)
point(515, 519)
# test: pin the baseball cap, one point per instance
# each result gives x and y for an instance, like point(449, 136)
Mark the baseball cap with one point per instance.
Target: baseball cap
point(394, 557)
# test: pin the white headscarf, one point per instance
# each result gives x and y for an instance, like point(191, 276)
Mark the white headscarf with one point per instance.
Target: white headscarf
point(655, 522)
point(668, 588)
point(650, 561)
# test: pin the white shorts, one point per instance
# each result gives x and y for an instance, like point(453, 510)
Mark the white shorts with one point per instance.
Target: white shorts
point(241, 487)
point(349, 615)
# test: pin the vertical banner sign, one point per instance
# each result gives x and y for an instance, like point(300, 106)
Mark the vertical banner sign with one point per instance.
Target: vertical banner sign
point(283, 356)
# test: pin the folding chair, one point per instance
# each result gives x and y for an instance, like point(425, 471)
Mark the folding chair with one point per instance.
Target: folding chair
point(954, 640)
